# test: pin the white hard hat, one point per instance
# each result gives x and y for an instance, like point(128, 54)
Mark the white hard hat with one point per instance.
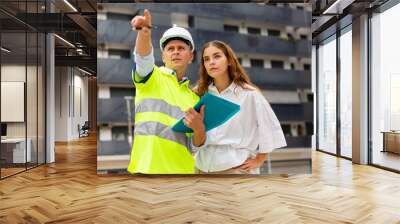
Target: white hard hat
point(176, 32)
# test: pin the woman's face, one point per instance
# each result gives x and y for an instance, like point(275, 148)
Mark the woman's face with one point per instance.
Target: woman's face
point(215, 62)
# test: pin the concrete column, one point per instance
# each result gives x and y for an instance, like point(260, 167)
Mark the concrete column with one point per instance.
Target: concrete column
point(50, 99)
point(360, 90)
point(50, 93)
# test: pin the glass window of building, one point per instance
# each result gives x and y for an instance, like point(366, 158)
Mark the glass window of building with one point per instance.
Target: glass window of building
point(119, 16)
point(277, 64)
point(346, 93)
point(191, 21)
point(119, 133)
point(275, 33)
point(286, 129)
point(327, 95)
point(385, 89)
point(22, 80)
point(231, 28)
point(254, 30)
point(257, 63)
point(121, 92)
point(310, 97)
point(13, 87)
point(118, 54)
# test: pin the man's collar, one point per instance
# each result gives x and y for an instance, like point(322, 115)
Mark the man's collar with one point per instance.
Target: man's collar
point(184, 79)
point(172, 72)
point(168, 70)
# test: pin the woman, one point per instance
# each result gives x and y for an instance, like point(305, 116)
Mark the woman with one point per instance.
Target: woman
point(241, 145)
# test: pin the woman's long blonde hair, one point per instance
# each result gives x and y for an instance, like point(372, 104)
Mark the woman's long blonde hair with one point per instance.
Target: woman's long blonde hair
point(235, 71)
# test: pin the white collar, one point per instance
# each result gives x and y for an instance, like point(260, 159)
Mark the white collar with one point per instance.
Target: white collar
point(168, 70)
point(230, 88)
point(172, 72)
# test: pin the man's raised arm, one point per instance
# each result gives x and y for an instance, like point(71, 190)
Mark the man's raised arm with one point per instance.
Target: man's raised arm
point(143, 47)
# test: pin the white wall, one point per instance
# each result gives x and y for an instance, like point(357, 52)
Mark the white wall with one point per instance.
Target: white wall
point(80, 94)
point(14, 73)
point(61, 103)
point(12, 101)
point(17, 73)
point(71, 87)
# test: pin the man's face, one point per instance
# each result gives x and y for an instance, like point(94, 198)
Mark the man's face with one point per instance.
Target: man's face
point(177, 55)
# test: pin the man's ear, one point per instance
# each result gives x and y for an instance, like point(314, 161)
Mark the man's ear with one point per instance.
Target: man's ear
point(191, 58)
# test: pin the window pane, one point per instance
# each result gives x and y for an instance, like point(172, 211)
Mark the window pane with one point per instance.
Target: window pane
point(120, 133)
point(275, 33)
point(346, 94)
point(253, 30)
point(31, 98)
point(385, 84)
point(276, 64)
point(119, 16)
point(327, 96)
point(231, 28)
point(13, 85)
point(286, 129)
point(191, 21)
point(117, 54)
point(121, 92)
point(257, 63)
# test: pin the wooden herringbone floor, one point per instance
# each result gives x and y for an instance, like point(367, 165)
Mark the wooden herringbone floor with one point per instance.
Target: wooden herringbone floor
point(70, 191)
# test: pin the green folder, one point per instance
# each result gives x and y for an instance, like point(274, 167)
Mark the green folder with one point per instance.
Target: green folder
point(216, 112)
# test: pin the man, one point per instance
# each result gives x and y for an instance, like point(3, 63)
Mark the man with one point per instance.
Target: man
point(162, 96)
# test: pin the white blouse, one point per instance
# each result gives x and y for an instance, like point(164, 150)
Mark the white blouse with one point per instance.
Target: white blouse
point(254, 129)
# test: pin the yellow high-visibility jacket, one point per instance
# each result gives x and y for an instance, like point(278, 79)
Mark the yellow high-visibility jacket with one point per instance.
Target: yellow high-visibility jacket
point(159, 103)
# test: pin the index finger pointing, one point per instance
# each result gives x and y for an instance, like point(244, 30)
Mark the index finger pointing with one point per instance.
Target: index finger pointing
point(147, 16)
